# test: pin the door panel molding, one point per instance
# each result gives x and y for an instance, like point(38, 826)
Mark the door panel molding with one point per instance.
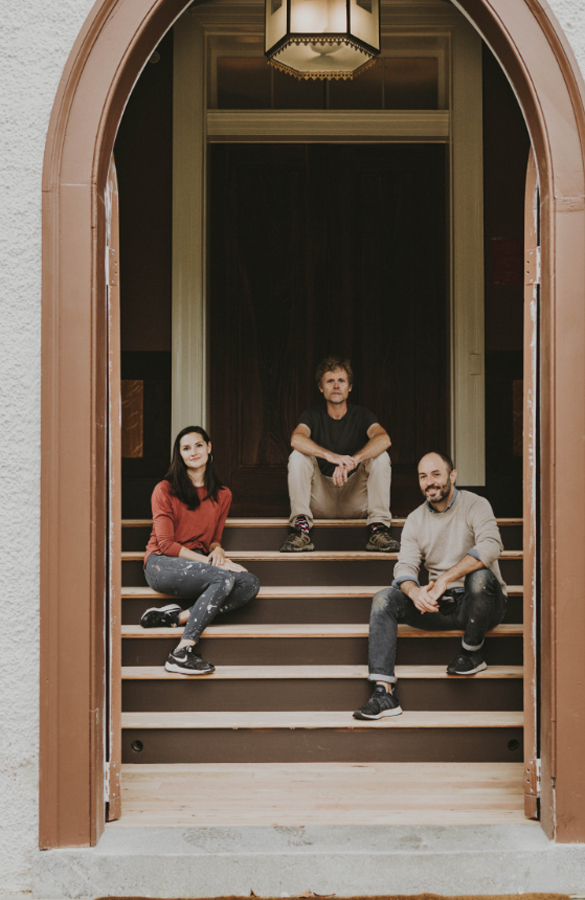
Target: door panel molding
point(467, 243)
point(189, 314)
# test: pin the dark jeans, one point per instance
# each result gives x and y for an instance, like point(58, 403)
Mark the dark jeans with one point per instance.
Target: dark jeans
point(476, 608)
point(213, 589)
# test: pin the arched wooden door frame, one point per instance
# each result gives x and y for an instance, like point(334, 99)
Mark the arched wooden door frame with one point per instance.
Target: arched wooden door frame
point(113, 46)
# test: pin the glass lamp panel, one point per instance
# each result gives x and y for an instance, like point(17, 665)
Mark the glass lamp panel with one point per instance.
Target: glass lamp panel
point(411, 83)
point(275, 28)
point(318, 16)
point(243, 83)
point(364, 18)
point(321, 58)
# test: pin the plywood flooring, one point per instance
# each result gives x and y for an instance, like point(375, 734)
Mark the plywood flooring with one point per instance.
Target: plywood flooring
point(322, 794)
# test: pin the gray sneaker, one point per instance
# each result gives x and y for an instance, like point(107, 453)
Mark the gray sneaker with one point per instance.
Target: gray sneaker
point(297, 541)
point(382, 703)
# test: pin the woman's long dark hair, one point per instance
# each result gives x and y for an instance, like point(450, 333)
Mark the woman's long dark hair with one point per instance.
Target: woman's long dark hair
point(178, 477)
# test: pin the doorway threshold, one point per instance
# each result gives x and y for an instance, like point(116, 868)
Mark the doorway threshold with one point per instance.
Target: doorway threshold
point(202, 861)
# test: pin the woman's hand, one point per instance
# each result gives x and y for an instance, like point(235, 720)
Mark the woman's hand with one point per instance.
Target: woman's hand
point(217, 556)
point(232, 566)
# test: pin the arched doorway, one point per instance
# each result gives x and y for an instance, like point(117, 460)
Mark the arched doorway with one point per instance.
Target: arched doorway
point(110, 52)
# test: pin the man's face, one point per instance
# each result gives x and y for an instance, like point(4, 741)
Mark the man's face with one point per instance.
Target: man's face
point(434, 478)
point(335, 386)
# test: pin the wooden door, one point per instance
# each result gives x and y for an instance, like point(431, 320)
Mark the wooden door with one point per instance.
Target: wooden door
point(530, 494)
point(114, 669)
point(325, 249)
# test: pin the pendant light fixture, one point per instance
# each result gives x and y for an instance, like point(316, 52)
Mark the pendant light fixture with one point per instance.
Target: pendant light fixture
point(322, 38)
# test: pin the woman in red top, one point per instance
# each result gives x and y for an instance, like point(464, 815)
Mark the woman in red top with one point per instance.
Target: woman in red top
point(184, 556)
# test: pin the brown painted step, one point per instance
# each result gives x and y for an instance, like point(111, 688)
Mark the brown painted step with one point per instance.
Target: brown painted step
point(312, 644)
point(311, 604)
point(331, 556)
point(313, 736)
point(320, 568)
point(259, 522)
point(328, 534)
point(248, 688)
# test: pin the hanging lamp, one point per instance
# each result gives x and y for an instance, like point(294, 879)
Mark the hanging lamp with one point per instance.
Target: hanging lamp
point(322, 38)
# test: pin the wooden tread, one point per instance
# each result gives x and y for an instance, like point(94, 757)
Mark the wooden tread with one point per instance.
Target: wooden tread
point(282, 523)
point(286, 630)
point(313, 556)
point(311, 720)
point(310, 793)
point(253, 673)
point(297, 592)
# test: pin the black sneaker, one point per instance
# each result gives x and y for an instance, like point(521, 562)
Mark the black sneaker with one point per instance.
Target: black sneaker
point(382, 703)
point(297, 541)
point(380, 540)
point(467, 662)
point(187, 662)
point(163, 617)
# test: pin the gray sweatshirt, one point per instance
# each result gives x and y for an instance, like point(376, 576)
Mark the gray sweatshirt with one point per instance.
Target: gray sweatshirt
point(442, 539)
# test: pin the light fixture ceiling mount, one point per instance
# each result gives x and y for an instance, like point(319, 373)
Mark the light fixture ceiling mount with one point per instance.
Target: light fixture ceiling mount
point(322, 39)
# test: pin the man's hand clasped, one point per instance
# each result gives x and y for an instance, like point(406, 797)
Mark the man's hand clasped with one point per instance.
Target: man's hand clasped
point(426, 598)
point(344, 465)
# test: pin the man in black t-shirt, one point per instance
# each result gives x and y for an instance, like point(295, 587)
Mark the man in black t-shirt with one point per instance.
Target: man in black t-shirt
point(339, 467)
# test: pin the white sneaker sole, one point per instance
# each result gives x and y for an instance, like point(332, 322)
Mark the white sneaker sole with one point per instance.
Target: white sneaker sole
point(385, 714)
point(477, 669)
point(174, 667)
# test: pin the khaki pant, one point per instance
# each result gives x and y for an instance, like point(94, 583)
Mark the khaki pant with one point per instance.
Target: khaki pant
point(367, 492)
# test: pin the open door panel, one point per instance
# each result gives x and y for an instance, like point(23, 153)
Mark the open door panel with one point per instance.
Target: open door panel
point(530, 438)
point(113, 737)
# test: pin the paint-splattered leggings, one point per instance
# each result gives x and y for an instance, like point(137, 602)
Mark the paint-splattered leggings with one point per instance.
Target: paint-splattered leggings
point(213, 589)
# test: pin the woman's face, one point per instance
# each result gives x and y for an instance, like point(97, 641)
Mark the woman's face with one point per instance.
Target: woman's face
point(195, 451)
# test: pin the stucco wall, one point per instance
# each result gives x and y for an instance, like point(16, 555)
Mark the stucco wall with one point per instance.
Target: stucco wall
point(36, 38)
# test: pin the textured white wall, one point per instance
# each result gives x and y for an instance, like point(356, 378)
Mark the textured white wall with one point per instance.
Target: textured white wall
point(571, 17)
point(36, 38)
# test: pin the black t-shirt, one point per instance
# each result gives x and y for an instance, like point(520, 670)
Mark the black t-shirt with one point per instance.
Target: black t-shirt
point(344, 436)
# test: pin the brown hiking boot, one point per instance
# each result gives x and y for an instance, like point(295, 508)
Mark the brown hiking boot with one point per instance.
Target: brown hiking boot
point(380, 540)
point(297, 541)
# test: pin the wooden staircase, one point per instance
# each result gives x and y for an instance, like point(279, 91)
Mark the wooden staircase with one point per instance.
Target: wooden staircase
point(291, 666)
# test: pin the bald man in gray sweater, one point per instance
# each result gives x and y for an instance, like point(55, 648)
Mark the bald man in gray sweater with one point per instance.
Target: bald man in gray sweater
point(456, 535)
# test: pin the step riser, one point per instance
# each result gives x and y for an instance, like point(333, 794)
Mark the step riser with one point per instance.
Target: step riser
point(284, 571)
point(327, 745)
point(208, 695)
point(270, 612)
point(324, 538)
point(315, 651)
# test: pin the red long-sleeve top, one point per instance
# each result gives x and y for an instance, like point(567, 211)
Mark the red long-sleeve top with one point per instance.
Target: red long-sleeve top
point(174, 525)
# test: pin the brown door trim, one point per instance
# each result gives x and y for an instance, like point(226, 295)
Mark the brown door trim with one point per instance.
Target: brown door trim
point(107, 57)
